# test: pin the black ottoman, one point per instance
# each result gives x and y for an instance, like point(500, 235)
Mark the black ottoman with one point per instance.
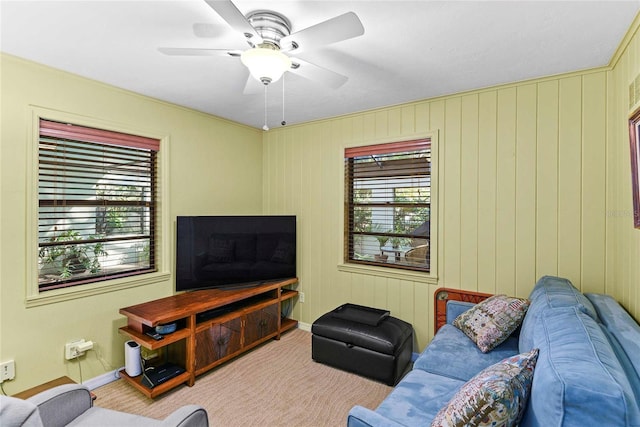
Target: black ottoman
point(363, 340)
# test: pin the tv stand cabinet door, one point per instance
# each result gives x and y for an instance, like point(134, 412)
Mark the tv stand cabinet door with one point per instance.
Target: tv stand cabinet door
point(261, 323)
point(217, 342)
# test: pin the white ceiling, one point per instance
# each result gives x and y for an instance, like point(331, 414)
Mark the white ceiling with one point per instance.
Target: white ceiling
point(410, 50)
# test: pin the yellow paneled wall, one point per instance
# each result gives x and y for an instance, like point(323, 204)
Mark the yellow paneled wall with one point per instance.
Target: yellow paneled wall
point(204, 155)
point(622, 247)
point(533, 178)
point(525, 172)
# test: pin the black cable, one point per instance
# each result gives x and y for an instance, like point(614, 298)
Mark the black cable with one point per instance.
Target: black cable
point(285, 311)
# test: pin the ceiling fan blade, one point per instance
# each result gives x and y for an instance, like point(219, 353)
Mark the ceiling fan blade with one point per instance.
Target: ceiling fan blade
point(342, 27)
point(188, 51)
point(316, 73)
point(230, 13)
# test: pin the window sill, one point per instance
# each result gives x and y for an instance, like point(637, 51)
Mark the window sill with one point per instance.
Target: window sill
point(67, 294)
point(392, 273)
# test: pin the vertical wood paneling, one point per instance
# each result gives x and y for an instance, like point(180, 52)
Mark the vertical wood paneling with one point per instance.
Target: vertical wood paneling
point(547, 179)
point(382, 124)
point(469, 193)
point(369, 132)
point(451, 197)
point(357, 129)
point(408, 119)
point(569, 179)
point(422, 121)
point(422, 332)
point(622, 270)
point(407, 301)
point(632, 240)
point(394, 121)
point(593, 183)
point(523, 192)
point(437, 120)
point(380, 291)
point(432, 290)
point(613, 180)
point(313, 223)
point(394, 302)
point(361, 290)
point(505, 192)
point(487, 192)
point(327, 243)
point(526, 137)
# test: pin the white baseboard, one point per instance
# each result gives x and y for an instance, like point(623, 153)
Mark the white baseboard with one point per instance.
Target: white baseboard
point(103, 379)
point(304, 326)
point(111, 376)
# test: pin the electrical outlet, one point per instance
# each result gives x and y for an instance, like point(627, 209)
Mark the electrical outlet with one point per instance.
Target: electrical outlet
point(7, 370)
point(301, 296)
point(71, 349)
point(76, 348)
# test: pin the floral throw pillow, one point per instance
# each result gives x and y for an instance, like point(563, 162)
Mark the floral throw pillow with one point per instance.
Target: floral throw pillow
point(497, 396)
point(491, 321)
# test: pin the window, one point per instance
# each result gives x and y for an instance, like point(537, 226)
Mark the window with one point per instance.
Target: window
point(388, 200)
point(97, 205)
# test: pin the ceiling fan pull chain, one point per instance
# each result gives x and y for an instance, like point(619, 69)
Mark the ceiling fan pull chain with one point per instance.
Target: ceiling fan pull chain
point(265, 127)
point(283, 122)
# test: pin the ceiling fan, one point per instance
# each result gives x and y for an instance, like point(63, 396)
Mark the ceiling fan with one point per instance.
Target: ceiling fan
point(272, 46)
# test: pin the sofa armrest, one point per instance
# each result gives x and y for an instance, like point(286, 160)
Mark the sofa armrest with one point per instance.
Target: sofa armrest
point(187, 416)
point(62, 404)
point(360, 416)
point(18, 412)
point(443, 295)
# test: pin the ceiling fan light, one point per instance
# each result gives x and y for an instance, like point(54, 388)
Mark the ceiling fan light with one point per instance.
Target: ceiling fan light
point(266, 65)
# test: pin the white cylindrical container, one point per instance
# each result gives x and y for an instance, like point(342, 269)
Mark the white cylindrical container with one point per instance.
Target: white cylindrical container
point(132, 365)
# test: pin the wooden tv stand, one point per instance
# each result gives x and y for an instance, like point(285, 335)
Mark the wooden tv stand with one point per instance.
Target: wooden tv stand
point(213, 326)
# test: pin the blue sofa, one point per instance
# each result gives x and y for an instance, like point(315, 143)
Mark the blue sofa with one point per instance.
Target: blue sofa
point(587, 372)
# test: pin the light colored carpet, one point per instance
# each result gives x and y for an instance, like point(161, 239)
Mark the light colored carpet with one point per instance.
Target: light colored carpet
point(276, 384)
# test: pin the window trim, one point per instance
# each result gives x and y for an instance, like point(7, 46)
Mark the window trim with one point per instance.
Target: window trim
point(34, 297)
point(409, 275)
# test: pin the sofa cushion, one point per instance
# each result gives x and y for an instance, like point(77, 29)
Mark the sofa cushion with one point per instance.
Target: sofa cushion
point(551, 291)
point(97, 416)
point(496, 396)
point(416, 399)
point(453, 354)
point(491, 321)
point(579, 380)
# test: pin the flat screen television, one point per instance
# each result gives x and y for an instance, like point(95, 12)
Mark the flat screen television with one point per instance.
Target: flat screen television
point(234, 251)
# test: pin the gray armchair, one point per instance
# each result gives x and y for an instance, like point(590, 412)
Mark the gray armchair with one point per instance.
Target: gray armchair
point(71, 404)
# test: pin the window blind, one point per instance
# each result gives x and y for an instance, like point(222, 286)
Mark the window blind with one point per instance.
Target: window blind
point(97, 198)
point(388, 199)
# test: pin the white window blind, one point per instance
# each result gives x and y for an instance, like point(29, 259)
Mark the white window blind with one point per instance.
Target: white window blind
point(388, 199)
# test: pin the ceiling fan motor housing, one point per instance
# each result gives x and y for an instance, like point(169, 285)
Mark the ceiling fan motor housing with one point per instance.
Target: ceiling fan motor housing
point(271, 26)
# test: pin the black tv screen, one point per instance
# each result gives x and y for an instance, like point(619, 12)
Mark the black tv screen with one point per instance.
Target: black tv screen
point(233, 251)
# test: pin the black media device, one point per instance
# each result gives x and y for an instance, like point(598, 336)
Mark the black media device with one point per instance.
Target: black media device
point(154, 376)
point(234, 251)
point(156, 336)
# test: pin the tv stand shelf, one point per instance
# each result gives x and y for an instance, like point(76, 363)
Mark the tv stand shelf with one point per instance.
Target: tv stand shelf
point(213, 326)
